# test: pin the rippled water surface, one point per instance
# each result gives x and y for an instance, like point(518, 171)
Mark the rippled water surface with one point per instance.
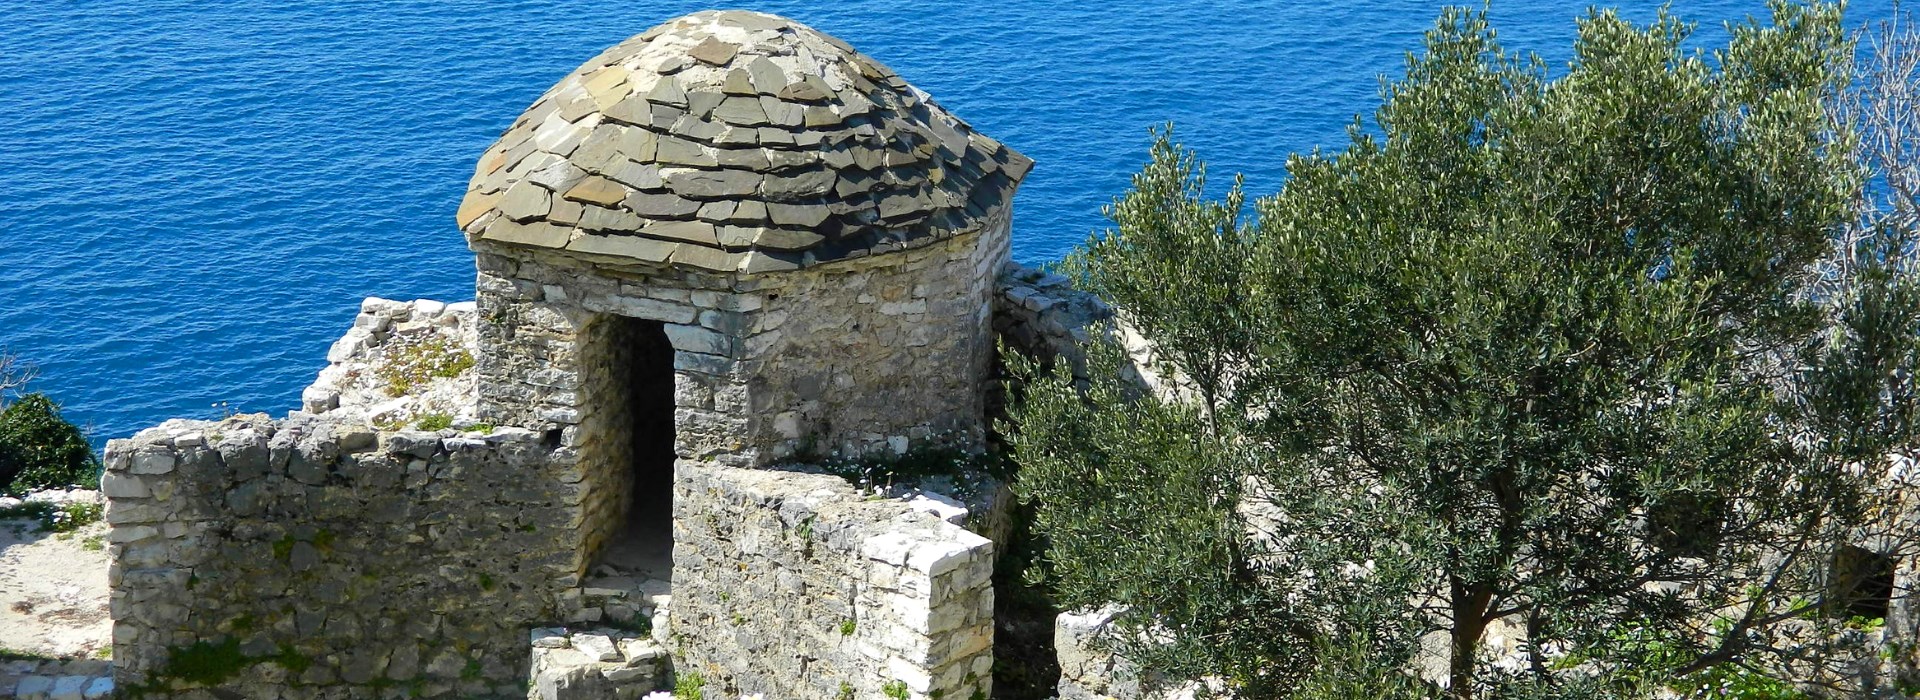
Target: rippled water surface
point(197, 195)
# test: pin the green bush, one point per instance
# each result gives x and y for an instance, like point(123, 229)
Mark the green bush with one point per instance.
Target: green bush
point(41, 450)
point(689, 686)
point(897, 690)
point(434, 421)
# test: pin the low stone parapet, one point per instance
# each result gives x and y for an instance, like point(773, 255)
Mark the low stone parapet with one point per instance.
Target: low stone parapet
point(794, 585)
point(295, 558)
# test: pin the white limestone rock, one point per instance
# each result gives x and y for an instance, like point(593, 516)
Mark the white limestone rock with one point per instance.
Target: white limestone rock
point(598, 647)
point(353, 386)
point(33, 688)
point(99, 688)
point(68, 688)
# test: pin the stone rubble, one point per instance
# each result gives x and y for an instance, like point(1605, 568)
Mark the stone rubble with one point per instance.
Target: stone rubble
point(1089, 670)
point(1040, 314)
point(383, 333)
point(54, 496)
point(592, 664)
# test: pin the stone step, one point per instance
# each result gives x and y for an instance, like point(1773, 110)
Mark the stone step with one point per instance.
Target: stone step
point(628, 602)
point(571, 664)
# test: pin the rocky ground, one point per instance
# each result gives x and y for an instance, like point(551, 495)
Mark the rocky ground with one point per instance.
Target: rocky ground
point(53, 603)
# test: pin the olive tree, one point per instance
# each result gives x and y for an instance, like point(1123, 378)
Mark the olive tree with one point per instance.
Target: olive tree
point(1563, 356)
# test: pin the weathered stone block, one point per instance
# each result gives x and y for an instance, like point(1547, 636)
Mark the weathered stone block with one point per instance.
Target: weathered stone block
point(118, 485)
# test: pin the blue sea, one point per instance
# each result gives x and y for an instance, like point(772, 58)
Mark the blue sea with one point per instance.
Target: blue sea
point(195, 196)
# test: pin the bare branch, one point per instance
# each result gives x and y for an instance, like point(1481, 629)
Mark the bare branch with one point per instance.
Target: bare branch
point(15, 374)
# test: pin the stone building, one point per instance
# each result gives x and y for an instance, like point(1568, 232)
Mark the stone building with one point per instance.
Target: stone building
point(712, 252)
point(735, 238)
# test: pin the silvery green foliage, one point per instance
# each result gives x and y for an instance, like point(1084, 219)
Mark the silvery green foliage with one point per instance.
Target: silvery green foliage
point(1549, 350)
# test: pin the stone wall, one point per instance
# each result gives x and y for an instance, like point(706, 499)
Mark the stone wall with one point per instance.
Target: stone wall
point(608, 349)
point(291, 559)
point(792, 585)
point(881, 352)
point(859, 355)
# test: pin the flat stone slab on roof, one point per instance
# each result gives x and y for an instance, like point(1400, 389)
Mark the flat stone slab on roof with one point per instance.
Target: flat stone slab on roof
point(736, 141)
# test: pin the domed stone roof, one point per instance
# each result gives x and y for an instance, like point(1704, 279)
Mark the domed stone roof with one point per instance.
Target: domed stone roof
point(735, 141)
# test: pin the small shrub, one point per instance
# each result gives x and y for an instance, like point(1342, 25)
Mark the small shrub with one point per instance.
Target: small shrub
point(689, 686)
point(291, 659)
point(41, 450)
point(205, 663)
point(434, 422)
point(895, 689)
point(637, 624)
point(1737, 682)
point(30, 510)
point(72, 516)
point(13, 655)
point(846, 691)
point(409, 364)
point(847, 627)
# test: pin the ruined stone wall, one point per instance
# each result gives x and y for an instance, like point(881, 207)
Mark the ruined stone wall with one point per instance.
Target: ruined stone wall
point(297, 558)
point(1041, 315)
point(793, 586)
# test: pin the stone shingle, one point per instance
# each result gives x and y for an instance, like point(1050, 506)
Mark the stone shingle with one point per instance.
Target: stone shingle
point(713, 184)
point(714, 51)
point(598, 191)
point(660, 206)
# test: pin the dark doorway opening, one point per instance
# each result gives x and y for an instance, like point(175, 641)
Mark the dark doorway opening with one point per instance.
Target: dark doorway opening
point(642, 378)
point(1862, 583)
